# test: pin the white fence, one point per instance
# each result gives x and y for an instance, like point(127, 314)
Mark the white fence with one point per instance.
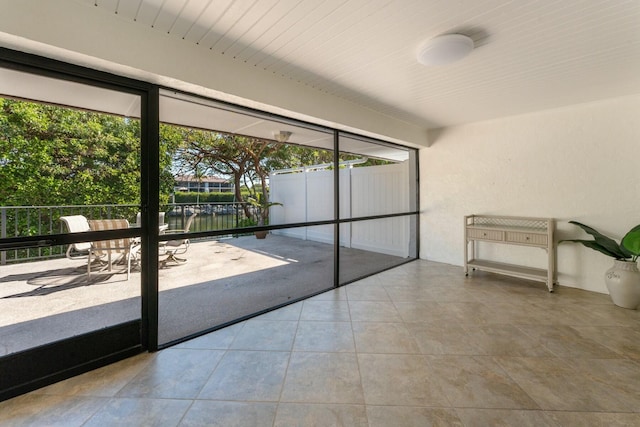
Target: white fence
point(364, 191)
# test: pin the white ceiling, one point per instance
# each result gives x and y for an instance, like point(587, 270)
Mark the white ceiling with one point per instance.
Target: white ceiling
point(199, 113)
point(529, 56)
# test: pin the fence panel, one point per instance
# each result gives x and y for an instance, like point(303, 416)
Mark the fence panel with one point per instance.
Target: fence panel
point(364, 191)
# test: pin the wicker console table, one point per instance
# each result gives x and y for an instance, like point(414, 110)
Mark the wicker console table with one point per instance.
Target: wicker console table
point(523, 231)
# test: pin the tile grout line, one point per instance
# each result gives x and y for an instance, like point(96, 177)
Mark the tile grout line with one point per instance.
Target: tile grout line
point(286, 371)
point(357, 359)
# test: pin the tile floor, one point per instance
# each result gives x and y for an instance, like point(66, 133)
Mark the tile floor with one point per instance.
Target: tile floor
point(419, 345)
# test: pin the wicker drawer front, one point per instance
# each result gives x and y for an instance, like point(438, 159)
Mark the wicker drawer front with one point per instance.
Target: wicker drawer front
point(527, 238)
point(485, 234)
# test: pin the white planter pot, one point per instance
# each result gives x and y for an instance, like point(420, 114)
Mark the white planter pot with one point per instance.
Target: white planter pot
point(623, 283)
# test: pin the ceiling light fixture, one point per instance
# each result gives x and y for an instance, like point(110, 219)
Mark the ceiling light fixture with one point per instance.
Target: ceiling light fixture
point(281, 136)
point(445, 49)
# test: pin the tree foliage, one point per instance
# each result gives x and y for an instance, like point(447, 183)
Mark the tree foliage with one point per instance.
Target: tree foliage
point(247, 160)
point(52, 155)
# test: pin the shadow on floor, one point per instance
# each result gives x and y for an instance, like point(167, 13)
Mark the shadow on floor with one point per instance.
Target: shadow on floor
point(223, 281)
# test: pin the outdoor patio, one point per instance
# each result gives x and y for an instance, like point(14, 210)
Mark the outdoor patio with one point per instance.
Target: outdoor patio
point(223, 280)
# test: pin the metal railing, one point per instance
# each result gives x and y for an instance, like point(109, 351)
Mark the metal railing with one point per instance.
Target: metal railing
point(211, 216)
point(19, 221)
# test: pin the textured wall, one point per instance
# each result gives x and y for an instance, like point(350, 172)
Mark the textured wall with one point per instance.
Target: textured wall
point(580, 162)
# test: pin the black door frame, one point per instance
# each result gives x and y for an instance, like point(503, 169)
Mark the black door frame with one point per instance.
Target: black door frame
point(39, 366)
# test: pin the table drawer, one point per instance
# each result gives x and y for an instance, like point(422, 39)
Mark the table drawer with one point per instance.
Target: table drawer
point(526, 238)
point(479, 234)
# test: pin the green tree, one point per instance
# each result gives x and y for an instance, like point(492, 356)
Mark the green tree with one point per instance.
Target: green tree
point(52, 156)
point(171, 138)
point(247, 160)
point(218, 154)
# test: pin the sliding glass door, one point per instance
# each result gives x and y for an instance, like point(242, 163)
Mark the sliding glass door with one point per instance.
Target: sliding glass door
point(69, 252)
point(134, 217)
point(251, 221)
point(378, 184)
point(235, 174)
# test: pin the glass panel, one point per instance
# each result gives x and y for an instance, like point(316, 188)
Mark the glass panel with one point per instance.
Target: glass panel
point(235, 170)
point(376, 245)
point(49, 300)
point(226, 279)
point(375, 179)
point(69, 163)
point(224, 171)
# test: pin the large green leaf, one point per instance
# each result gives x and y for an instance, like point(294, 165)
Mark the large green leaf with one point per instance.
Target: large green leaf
point(611, 246)
point(594, 245)
point(631, 241)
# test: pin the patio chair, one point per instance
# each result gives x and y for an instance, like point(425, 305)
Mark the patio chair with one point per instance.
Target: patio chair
point(126, 248)
point(161, 222)
point(171, 248)
point(77, 224)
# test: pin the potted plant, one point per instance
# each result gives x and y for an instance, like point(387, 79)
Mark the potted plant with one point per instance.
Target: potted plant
point(623, 279)
point(262, 214)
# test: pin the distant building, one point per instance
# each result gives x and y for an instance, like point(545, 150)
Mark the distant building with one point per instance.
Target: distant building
point(206, 184)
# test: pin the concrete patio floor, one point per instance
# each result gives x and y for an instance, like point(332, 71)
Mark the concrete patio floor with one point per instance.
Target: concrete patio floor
point(223, 280)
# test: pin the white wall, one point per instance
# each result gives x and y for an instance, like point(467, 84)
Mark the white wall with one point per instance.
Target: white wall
point(580, 162)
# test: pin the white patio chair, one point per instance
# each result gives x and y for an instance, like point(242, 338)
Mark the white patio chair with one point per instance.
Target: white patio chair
point(171, 248)
point(126, 248)
point(77, 224)
point(161, 222)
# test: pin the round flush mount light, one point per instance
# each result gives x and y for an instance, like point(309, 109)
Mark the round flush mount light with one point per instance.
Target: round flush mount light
point(445, 49)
